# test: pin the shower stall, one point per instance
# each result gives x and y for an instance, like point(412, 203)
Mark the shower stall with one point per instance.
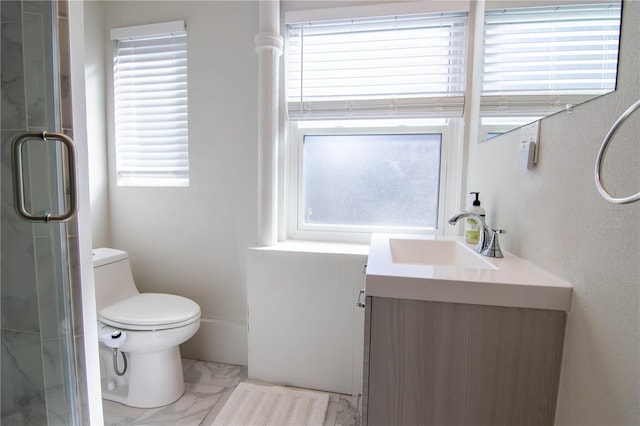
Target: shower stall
point(42, 358)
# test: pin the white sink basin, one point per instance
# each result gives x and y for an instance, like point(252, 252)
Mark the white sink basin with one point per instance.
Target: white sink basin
point(445, 269)
point(437, 253)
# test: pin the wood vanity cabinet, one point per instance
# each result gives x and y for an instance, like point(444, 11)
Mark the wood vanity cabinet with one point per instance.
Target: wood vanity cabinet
point(434, 363)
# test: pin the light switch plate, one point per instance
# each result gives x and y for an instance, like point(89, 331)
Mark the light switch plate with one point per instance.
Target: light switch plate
point(529, 145)
point(526, 155)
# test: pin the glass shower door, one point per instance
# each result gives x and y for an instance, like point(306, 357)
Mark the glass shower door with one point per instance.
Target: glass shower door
point(38, 274)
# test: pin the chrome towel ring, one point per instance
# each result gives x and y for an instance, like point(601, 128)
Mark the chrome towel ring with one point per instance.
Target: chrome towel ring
point(603, 148)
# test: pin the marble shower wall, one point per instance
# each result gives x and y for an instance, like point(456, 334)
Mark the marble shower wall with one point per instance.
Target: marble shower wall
point(32, 305)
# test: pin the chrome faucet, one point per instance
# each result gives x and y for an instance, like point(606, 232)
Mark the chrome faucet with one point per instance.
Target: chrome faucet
point(488, 246)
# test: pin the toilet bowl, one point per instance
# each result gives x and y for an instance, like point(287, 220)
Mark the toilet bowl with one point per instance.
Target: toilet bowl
point(139, 333)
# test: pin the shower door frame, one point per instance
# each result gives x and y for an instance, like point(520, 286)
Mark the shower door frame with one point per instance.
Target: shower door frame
point(89, 384)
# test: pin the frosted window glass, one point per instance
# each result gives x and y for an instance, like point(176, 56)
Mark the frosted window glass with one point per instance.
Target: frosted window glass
point(371, 180)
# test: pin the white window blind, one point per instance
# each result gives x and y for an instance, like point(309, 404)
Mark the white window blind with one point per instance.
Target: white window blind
point(150, 99)
point(398, 66)
point(537, 60)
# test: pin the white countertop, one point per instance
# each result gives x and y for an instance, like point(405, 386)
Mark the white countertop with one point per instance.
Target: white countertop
point(508, 281)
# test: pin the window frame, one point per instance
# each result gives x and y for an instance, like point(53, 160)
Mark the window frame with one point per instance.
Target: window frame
point(292, 134)
point(449, 189)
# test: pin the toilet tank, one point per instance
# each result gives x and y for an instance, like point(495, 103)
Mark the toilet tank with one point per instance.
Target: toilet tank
point(112, 277)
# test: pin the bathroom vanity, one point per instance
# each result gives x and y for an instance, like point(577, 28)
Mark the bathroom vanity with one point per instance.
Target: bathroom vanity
point(453, 338)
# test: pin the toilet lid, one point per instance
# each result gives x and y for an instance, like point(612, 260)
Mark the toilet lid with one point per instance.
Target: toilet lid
point(151, 311)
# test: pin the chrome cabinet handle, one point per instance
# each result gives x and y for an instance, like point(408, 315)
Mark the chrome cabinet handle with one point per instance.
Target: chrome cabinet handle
point(360, 302)
point(18, 176)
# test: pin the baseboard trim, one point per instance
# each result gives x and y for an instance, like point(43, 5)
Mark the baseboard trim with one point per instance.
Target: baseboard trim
point(218, 340)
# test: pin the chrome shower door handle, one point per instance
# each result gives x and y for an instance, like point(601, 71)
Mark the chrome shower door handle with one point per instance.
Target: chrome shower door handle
point(18, 177)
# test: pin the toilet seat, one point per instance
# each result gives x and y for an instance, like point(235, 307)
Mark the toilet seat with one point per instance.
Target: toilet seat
point(151, 311)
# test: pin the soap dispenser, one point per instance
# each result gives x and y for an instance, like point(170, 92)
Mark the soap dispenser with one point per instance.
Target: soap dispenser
point(472, 227)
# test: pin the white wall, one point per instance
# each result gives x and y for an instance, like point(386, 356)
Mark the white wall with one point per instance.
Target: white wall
point(555, 218)
point(191, 241)
point(94, 35)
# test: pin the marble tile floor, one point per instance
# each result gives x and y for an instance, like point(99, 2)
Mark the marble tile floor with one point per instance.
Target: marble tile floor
point(209, 385)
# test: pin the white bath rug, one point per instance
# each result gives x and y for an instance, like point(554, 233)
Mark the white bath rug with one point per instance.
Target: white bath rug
point(251, 404)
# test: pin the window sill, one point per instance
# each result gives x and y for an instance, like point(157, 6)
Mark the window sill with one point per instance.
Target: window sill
point(297, 246)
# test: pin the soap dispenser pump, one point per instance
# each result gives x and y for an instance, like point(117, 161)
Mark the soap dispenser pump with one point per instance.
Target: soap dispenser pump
point(472, 227)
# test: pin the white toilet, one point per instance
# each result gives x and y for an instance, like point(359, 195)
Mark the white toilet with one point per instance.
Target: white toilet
point(139, 334)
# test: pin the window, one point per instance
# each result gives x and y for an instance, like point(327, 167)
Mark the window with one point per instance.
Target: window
point(348, 179)
point(150, 101)
point(537, 60)
point(371, 104)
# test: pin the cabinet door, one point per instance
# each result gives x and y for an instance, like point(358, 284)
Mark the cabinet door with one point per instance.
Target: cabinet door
point(303, 317)
point(432, 363)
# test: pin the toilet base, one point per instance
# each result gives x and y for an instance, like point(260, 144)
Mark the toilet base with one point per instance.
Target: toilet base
point(151, 379)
